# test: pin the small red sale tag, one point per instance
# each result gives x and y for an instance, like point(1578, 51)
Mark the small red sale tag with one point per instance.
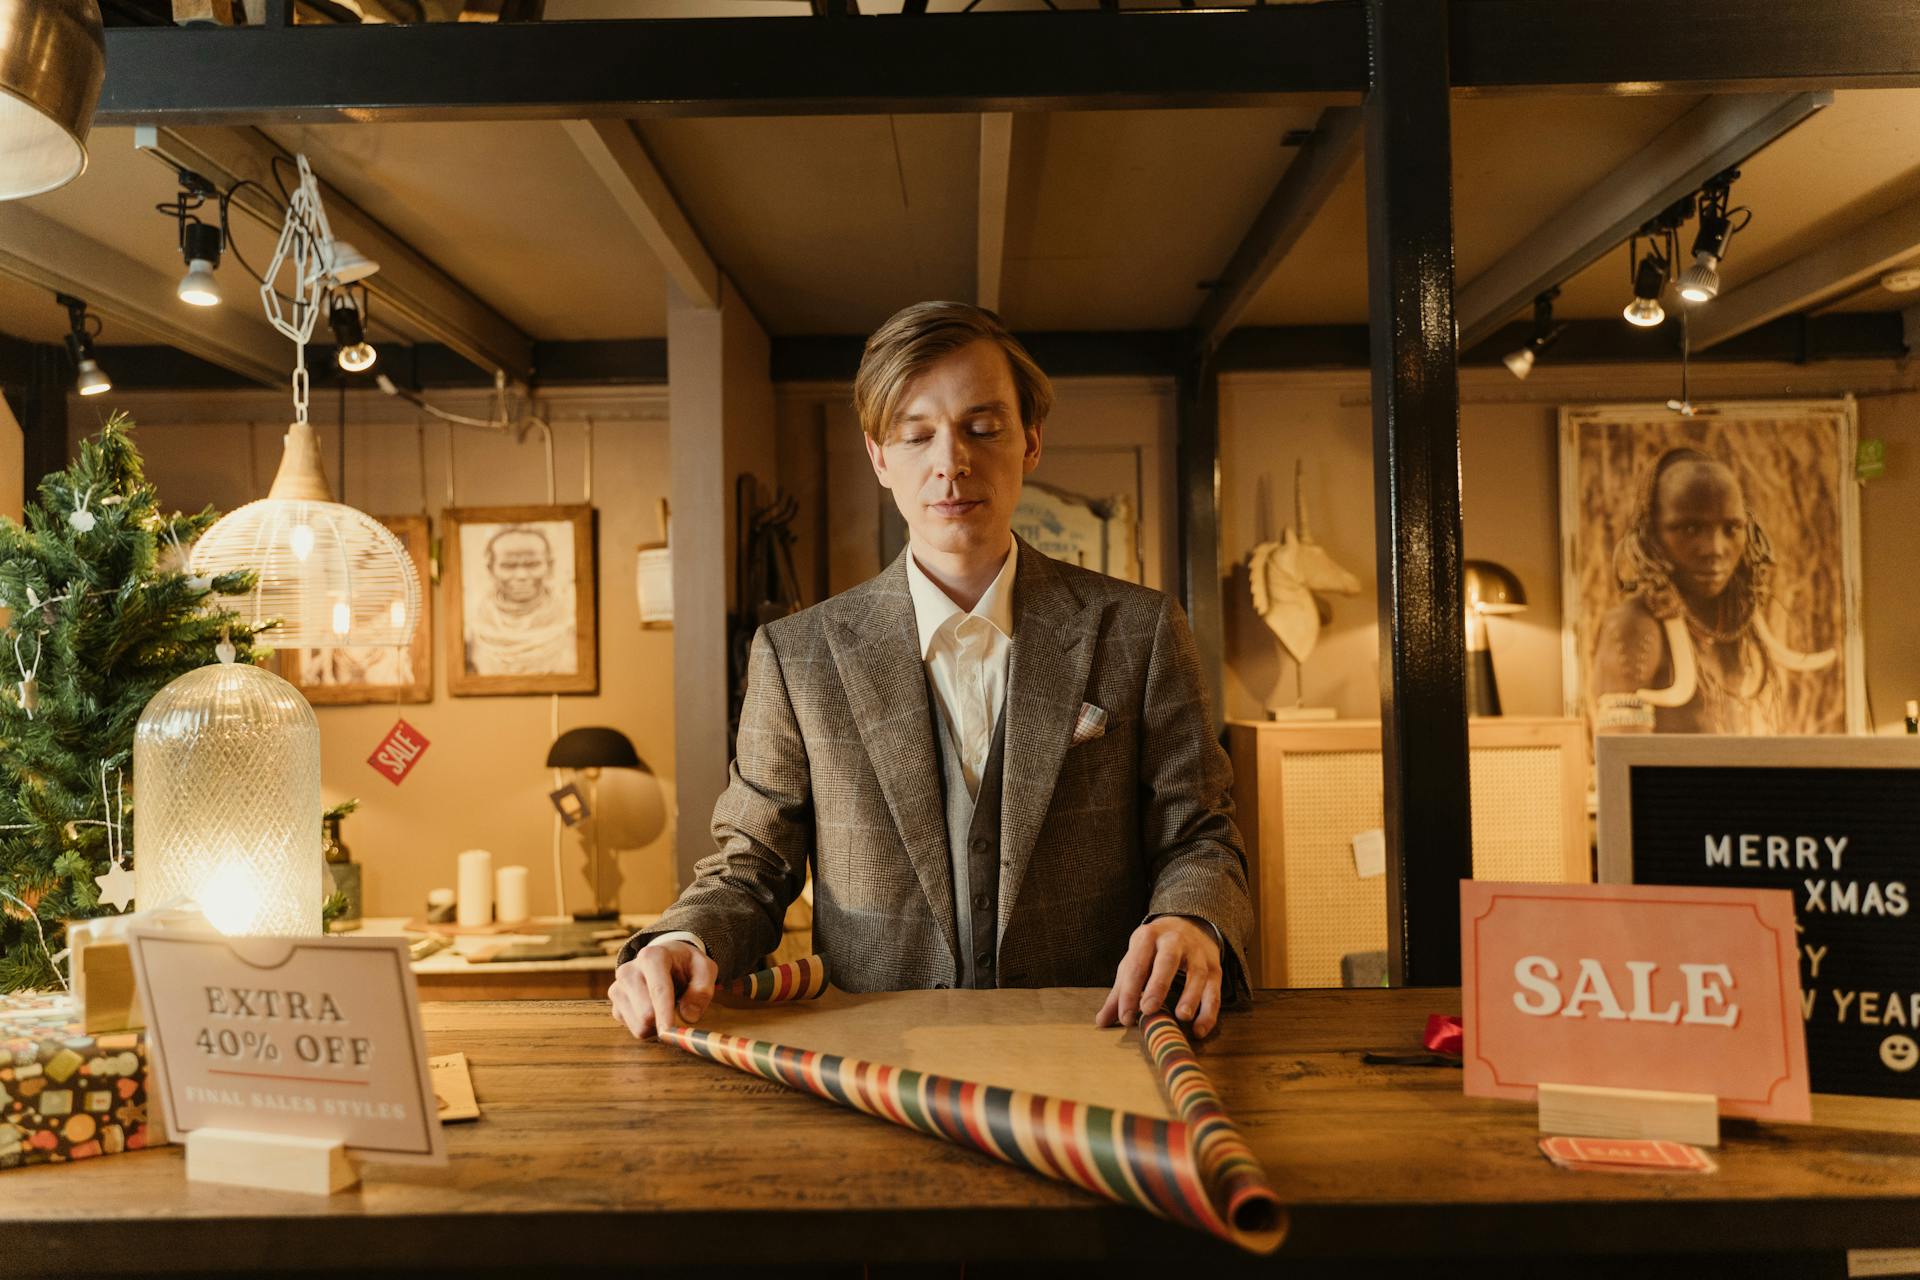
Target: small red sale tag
point(398, 752)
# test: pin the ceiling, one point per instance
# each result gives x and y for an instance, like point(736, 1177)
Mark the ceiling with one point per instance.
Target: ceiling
point(1115, 219)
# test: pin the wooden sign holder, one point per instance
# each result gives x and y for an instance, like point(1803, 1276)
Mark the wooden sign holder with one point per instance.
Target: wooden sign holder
point(1595, 1111)
point(273, 1162)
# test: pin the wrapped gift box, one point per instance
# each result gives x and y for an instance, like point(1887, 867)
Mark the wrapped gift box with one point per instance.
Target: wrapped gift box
point(65, 1094)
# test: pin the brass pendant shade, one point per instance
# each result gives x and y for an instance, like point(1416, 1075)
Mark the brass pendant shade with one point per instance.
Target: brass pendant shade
point(52, 60)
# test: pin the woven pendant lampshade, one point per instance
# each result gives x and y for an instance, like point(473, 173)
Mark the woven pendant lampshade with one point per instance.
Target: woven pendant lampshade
point(330, 573)
point(52, 61)
point(227, 765)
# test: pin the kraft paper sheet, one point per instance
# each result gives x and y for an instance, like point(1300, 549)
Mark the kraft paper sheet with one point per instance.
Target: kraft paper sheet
point(1023, 1076)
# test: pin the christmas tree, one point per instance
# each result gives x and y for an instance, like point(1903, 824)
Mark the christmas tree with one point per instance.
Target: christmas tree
point(97, 625)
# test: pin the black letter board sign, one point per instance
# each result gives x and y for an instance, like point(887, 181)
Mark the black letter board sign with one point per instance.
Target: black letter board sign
point(1837, 821)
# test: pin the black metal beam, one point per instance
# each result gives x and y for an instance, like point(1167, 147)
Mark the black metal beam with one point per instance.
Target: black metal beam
point(979, 61)
point(731, 66)
point(43, 414)
point(1197, 489)
point(1683, 46)
point(612, 362)
point(1062, 353)
point(1154, 353)
point(1416, 466)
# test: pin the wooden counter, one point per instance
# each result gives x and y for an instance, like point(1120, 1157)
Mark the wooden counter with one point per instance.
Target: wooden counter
point(597, 1151)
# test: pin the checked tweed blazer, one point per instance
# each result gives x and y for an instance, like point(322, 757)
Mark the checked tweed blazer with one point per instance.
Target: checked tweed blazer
point(836, 770)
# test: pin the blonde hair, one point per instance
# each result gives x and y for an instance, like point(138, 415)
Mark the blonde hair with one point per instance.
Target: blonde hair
point(918, 336)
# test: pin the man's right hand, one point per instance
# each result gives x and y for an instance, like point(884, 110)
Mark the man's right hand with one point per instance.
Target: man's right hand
point(646, 988)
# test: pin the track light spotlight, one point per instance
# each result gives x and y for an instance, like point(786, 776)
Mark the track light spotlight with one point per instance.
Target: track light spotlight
point(200, 242)
point(351, 348)
point(90, 379)
point(1649, 278)
point(1545, 334)
point(1701, 281)
point(201, 248)
point(351, 265)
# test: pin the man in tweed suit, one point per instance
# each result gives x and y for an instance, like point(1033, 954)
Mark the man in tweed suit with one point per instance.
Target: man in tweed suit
point(1001, 769)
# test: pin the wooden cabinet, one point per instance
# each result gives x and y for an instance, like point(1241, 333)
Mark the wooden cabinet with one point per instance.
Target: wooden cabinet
point(1304, 790)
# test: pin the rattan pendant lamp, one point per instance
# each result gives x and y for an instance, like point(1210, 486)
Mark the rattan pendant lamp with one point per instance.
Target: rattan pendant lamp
point(328, 573)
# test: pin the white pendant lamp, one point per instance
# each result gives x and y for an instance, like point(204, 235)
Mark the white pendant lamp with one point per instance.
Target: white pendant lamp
point(328, 573)
point(52, 60)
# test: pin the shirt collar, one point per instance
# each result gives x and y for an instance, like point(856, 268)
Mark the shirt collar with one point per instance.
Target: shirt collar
point(933, 608)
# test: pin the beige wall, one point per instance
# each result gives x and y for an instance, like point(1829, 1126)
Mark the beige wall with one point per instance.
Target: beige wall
point(1510, 488)
point(1105, 436)
point(482, 782)
point(1509, 501)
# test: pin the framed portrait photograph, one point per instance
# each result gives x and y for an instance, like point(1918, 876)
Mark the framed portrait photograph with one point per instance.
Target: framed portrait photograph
point(520, 591)
point(345, 675)
point(1711, 568)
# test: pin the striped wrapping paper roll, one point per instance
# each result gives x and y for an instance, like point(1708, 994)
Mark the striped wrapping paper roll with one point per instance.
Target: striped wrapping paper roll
point(1195, 1170)
point(802, 979)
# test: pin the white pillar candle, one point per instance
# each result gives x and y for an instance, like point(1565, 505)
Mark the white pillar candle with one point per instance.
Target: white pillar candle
point(476, 888)
point(510, 895)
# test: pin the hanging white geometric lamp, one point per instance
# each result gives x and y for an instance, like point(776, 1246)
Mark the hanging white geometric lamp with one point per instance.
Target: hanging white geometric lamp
point(329, 573)
point(228, 758)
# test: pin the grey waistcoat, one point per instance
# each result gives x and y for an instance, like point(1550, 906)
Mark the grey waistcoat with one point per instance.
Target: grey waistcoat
point(973, 848)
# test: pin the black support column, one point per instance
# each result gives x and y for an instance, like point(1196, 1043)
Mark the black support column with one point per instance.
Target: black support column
point(43, 415)
point(1198, 455)
point(1416, 462)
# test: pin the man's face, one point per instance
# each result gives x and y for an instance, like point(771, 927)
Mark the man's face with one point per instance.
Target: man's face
point(956, 453)
point(1700, 518)
point(520, 565)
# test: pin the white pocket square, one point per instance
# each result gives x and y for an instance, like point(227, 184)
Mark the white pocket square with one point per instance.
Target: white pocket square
point(1089, 724)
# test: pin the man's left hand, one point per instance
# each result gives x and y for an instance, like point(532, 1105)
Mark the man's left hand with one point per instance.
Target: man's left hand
point(1161, 949)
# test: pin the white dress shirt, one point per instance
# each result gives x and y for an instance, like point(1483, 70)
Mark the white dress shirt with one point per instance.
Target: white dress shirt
point(965, 653)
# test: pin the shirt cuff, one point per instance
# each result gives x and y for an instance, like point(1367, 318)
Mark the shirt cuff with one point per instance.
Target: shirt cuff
point(678, 935)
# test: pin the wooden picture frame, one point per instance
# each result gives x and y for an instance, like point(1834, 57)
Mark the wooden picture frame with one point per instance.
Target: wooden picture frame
point(326, 676)
point(523, 612)
point(1793, 464)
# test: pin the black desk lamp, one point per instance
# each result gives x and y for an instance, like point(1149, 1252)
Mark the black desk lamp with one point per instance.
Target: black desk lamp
point(589, 750)
point(1489, 589)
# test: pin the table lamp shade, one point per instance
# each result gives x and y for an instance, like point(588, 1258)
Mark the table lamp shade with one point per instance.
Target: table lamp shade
point(226, 767)
point(595, 747)
point(1492, 588)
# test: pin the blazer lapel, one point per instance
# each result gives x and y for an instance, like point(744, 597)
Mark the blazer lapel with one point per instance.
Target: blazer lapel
point(1053, 643)
point(876, 647)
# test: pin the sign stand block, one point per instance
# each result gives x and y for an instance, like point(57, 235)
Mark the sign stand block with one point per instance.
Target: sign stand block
point(1593, 1111)
point(275, 1162)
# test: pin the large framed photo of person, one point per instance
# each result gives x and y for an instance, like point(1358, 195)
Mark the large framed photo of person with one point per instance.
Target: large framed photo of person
point(520, 591)
point(344, 675)
point(1711, 568)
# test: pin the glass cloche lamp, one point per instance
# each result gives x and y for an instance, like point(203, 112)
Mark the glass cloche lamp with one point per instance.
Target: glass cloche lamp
point(227, 811)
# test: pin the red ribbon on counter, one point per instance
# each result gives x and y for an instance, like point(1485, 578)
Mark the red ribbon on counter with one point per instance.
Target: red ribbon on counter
point(1443, 1033)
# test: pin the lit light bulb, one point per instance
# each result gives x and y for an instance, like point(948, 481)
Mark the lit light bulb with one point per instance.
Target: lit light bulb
point(397, 613)
point(357, 357)
point(1645, 312)
point(300, 539)
point(198, 286)
point(342, 618)
point(230, 898)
